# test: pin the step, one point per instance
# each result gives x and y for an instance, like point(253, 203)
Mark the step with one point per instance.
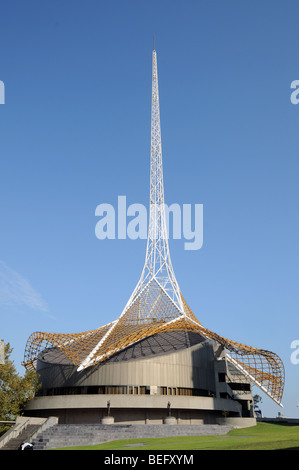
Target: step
point(63, 435)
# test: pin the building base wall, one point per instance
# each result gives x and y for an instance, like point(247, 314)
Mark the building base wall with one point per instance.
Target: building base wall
point(239, 422)
point(78, 409)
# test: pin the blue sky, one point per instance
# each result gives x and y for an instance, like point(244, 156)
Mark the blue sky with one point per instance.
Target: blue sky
point(75, 133)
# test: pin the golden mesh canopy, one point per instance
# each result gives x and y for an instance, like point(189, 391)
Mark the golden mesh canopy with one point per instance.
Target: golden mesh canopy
point(264, 368)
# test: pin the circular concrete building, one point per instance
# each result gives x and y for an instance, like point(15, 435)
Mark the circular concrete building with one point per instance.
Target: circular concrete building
point(178, 377)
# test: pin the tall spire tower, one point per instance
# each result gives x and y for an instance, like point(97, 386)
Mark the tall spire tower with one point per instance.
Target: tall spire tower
point(156, 298)
point(157, 272)
point(156, 304)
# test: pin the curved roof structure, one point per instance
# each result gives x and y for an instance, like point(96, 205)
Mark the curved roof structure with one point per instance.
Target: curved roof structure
point(156, 305)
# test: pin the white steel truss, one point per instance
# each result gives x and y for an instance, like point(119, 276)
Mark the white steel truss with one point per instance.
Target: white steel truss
point(158, 266)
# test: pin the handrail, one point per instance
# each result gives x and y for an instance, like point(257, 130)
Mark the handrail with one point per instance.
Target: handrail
point(13, 432)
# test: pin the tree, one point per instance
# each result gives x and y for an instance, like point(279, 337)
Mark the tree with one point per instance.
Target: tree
point(256, 400)
point(15, 391)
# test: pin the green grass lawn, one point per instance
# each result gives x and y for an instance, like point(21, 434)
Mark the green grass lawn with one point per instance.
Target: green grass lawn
point(263, 436)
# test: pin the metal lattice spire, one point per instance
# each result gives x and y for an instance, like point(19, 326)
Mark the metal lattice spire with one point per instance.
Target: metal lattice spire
point(158, 265)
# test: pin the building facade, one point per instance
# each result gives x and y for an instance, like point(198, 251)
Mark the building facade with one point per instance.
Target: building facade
point(180, 375)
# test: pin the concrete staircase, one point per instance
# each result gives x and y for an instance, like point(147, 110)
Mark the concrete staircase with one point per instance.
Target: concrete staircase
point(25, 429)
point(24, 436)
point(67, 435)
